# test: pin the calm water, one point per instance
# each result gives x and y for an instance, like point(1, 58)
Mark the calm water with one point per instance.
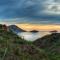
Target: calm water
point(32, 36)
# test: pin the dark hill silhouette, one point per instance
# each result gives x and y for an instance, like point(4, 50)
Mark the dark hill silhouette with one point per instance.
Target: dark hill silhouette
point(54, 31)
point(51, 44)
point(34, 31)
point(48, 40)
point(15, 29)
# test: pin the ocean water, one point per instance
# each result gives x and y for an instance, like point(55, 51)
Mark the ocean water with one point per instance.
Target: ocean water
point(29, 36)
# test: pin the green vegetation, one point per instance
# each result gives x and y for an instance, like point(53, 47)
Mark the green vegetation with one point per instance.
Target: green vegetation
point(50, 44)
point(13, 47)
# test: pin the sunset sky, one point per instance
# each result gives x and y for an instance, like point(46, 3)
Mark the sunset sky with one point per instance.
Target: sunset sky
point(45, 13)
point(39, 27)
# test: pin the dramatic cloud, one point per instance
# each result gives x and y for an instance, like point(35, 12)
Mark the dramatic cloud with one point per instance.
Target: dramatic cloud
point(52, 7)
point(30, 11)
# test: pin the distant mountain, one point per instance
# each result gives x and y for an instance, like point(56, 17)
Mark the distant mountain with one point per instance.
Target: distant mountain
point(15, 29)
point(34, 31)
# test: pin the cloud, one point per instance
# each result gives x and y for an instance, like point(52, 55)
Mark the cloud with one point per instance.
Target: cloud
point(52, 7)
point(11, 9)
point(30, 11)
point(17, 8)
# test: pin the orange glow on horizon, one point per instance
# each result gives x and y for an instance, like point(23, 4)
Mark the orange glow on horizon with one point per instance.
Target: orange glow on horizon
point(38, 27)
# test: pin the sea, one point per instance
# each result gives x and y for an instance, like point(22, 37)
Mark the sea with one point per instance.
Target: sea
point(31, 36)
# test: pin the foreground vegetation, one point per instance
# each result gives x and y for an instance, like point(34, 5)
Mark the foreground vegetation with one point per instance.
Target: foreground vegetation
point(13, 47)
point(50, 44)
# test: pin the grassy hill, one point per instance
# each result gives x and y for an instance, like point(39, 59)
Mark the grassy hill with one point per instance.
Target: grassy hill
point(51, 45)
point(13, 47)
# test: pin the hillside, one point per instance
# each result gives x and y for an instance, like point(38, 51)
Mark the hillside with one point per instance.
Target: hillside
point(13, 47)
point(16, 29)
point(51, 44)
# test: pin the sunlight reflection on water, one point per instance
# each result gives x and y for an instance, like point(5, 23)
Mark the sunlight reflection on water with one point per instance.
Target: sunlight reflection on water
point(29, 36)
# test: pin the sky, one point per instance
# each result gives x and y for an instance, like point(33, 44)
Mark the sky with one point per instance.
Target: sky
point(39, 27)
point(30, 11)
